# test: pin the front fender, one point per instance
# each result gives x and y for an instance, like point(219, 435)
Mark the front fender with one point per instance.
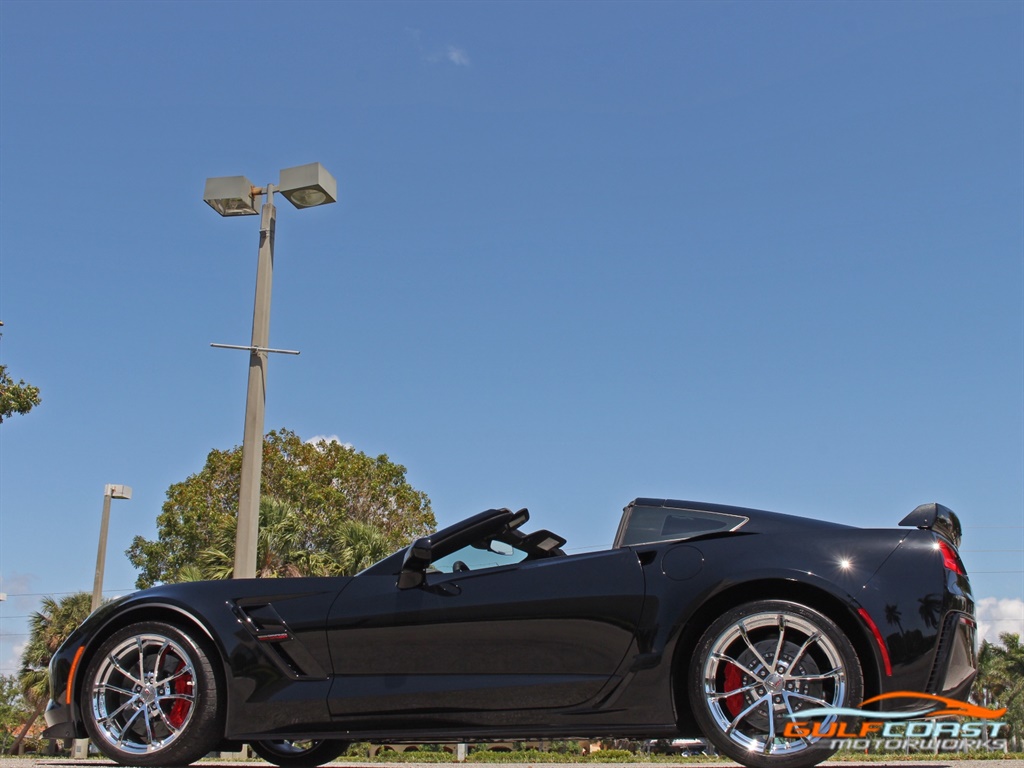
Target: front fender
point(68, 664)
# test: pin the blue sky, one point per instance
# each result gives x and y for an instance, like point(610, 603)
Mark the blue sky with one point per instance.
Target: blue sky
point(767, 254)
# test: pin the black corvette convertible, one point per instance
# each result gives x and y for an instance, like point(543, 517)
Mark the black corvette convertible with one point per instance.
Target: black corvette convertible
point(702, 619)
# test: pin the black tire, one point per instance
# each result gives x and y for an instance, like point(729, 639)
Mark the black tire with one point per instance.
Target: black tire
point(299, 754)
point(819, 668)
point(150, 697)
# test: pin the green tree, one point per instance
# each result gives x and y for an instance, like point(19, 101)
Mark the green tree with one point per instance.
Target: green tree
point(16, 398)
point(13, 710)
point(289, 546)
point(48, 628)
point(332, 489)
point(1000, 681)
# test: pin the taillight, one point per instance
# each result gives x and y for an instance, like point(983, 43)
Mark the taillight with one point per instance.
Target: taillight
point(950, 559)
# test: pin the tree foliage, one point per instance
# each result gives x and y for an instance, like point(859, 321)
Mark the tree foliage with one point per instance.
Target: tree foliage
point(14, 710)
point(1000, 681)
point(48, 628)
point(335, 495)
point(16, 398)
point(289, 546)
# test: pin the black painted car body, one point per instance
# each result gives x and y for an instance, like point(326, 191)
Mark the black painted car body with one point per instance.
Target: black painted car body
point(702, 619)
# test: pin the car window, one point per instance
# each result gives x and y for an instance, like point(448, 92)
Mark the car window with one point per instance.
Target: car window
point(650, 524)
point(473, 559)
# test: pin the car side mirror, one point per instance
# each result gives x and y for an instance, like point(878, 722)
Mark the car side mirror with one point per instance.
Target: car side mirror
point(415, 563)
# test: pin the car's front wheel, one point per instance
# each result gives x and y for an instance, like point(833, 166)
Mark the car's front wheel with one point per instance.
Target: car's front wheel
point(299, 754)
point(149, 697)
point(759, 665)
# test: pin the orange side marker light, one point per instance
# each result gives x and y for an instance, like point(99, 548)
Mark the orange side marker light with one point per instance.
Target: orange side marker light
point(71, 672)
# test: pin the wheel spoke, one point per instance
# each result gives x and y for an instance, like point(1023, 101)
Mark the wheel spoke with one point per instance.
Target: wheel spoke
point(752, 647)
point(786, 703)
point(186, 670)
point(149, 726)
point(836, 673)
point(116, 664)
point(743, 715)
point(177, 697)
point(159, 658)
point(142, 659)
point(127, 726)
point(720, 657)
point(805, 697)
point(120, 709)
point(115, 689)
point(769, 741)
point(167, 723)
point(717, 695)
point(780, 644)
point(811, 640)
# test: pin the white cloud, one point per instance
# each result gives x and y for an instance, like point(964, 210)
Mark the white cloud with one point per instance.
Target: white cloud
point(457, 56)
point(432, 53)
point(317, 439)
point(10, 662)
point(997, 616)
point(21, 601)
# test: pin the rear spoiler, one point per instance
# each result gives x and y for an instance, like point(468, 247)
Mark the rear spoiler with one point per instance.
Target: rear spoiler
point(935, 517)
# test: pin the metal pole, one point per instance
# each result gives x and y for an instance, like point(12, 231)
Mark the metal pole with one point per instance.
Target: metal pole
point(255, 401)
point(101, 551)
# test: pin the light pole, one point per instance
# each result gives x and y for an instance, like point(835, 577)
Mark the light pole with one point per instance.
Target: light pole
point(109, 492)
point(304, 186)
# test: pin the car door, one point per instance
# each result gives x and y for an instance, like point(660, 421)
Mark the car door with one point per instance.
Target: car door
point(534, 635)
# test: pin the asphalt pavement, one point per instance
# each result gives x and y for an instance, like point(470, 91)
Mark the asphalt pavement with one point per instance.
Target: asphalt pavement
point(54, 762)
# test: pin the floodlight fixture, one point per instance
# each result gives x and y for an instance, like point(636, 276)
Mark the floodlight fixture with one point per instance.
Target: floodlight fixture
point(309, 185)
point(232, 195)
point(117, 491)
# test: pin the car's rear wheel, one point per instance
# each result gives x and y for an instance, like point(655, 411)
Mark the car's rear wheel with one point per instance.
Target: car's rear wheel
point(758, 665)
point(149, 697)
point(299, 754)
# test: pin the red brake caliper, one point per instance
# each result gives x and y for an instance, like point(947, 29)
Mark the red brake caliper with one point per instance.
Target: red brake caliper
point(180, 708)
point(733, 681)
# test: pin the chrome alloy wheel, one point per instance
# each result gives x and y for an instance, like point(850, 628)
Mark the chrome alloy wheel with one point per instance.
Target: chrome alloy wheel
point(143, 694)
point(299, 753)
point(765, 667)
point(289, 747)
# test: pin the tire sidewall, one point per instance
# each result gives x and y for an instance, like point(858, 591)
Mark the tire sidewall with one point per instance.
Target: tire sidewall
point(698, 703)
point(203, 731)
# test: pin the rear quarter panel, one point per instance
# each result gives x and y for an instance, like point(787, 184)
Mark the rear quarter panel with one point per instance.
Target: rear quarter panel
point(691, 583)
point(911, 597)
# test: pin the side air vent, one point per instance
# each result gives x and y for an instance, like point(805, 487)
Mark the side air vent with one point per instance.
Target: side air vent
point(265, 624)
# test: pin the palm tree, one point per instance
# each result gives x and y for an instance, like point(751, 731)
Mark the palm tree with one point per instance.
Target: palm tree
point(1000, 681)
point(292, 542)
point(359, 545)
point(50, 626)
